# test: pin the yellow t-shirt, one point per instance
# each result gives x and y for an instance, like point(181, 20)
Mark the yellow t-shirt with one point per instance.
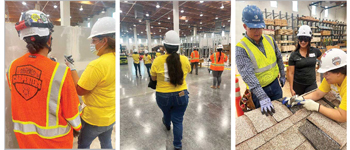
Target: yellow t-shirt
point(340, 91)
point(99, 79)
point(136, 58)
point(158, 54)
point(147, 59)
point(159, 69)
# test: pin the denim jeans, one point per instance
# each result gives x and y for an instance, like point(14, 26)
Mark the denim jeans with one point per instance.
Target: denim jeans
point(273, 91)
point(90, 132)
point(137, 66)
point(148, 66)
point(195, 64)
point(173, 107)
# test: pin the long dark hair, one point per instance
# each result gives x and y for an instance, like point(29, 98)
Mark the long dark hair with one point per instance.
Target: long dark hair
point(110, 40)
point(220, 54)
point(307, 47)
point(176, 74)
point(36, 43)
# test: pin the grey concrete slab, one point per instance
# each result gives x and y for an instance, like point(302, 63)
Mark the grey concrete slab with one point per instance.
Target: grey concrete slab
point(206, 125)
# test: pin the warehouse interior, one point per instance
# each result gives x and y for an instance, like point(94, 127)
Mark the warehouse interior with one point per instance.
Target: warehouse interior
point(204, 24)
point(72, 21)
point(328, 22)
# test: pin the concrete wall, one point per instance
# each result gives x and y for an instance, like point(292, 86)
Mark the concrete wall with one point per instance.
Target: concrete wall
point(109, 13)
point(338, 13)
point(66, 41)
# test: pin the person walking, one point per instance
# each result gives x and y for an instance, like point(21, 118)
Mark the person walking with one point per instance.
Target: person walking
point(44, 102)
point(302, 63)
point(170, 72)
point(148, 62)
point(259, 61)
point(194, 59)
point(136, 57)
point(97, 86)
point(217, 66)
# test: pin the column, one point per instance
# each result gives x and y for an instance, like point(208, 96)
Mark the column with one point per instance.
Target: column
point(135, 39)
point(37, 6)
point(65, 13)
point(176, 16)
point(148, 27)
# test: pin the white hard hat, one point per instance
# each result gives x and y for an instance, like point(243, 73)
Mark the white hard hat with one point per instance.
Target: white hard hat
point(158, 50)
point(105, 25)
point(171, 38)
point(135, 50)
point(219, 47)
point(33, 22)
point(332, 59)
point(146, 51)
point(304, 30)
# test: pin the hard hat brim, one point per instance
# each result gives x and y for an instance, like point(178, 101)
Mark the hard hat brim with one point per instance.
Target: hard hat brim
point(321, 70)
point(255, 25)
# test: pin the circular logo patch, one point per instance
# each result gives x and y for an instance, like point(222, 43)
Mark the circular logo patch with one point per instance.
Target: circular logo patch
point(35, 17)
point(43, 17)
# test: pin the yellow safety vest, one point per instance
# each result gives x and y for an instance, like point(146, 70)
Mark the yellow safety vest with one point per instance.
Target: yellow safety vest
point(265, 67)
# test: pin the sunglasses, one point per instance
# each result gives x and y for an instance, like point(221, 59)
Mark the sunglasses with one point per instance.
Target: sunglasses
point(304, 38)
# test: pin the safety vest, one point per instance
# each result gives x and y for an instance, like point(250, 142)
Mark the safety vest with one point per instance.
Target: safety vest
point(217, 65)
point(194, 56)
point(36, 104)
point(265, 67)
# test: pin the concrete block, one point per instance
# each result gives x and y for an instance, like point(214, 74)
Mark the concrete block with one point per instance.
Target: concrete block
point(277, 129)
point(244, 129)
point(261, 122)
point(281, 111)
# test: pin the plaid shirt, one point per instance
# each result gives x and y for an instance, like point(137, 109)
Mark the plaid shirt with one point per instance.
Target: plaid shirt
point(246, 69)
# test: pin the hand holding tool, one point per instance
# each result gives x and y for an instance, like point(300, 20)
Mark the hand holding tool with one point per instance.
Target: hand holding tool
point(69, 62)
point(311, 105)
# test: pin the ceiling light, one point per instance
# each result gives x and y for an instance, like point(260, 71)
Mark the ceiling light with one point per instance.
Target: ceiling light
point(48, 15)
point(158, 22)
point(160, 30)
point(166, 28)
point(168, 18)
point(54, 6)
point(141, 32)
point(186, 20)
point(103, 10)
point(200, 22)
point(151, 26)
point(24, 3)
point(201, 1)
point(200, 28)
point(157, 5)
point(222, 6)
point(216, 17)
point(189, 26)
point(182, 11)
point(81, 8)
point(228, 20)
point(201, 14)
point(140, 21)
point(223, 26)
point(70, 16)
point(121, 11)
point(147, 14)
point(134, 25)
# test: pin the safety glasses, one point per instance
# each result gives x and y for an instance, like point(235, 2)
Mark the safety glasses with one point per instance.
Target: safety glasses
point(304, 38)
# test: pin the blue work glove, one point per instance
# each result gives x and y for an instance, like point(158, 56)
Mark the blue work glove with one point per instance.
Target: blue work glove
point(266, 107)
point(282, 80)
point(286, 101)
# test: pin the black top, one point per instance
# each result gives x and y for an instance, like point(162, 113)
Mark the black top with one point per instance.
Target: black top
point(304, 72)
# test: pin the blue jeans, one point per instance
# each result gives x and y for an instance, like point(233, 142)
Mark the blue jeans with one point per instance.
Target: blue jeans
point(173, 107)
point(273, 91)
point(148, 66)
point(90, 132)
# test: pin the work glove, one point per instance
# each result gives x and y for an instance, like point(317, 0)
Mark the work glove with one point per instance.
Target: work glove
point(76, 133)
point(286, 101)
point(266, 107)
point(282, 80)
point(311, 105)
point(69, 62)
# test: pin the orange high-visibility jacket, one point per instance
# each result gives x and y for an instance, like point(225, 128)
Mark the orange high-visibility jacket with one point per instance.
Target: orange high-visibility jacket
point(217, 65)
point(194, 56)
point(45, 104)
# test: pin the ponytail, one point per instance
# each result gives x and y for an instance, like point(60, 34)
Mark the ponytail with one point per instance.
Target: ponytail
point(220, 54)
point(175, 72)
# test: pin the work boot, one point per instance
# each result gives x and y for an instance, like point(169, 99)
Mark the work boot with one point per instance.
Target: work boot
point(178, 148)
point(167, 127)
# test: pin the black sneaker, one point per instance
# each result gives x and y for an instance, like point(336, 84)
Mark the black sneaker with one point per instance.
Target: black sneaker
point(178, 148)
point(167, 127)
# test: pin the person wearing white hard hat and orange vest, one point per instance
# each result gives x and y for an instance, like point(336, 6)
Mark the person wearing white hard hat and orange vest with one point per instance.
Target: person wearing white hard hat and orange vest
point(136, 57)
point(259, 61)
point(44, 102)
point(148, 62)
point(194, 59)
point(302, 64)
point(97, 86)
point(217, 66)
point(333, 67)
point(170, 71)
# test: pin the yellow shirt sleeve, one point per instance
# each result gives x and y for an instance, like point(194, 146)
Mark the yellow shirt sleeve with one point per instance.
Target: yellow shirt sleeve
point(154, 68)
point(343, 102)
point(90, 78)
point(325, 87)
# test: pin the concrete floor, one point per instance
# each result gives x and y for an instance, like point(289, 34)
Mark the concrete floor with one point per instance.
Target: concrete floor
point(207, 123)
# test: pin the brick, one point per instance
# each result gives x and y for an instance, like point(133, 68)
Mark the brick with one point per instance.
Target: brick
point(244, 129)
point(305, 146)
point(289, 139)
point(317, 137)
point(277, 129)
point(281, 111)
point(266, 146)
point(331, 128)
point(243, 146)
point(260, 121)
point(299, 115)
point(256, 141)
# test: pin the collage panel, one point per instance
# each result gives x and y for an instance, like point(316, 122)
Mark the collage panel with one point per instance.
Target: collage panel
point(175, 75)
point(291, 80)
